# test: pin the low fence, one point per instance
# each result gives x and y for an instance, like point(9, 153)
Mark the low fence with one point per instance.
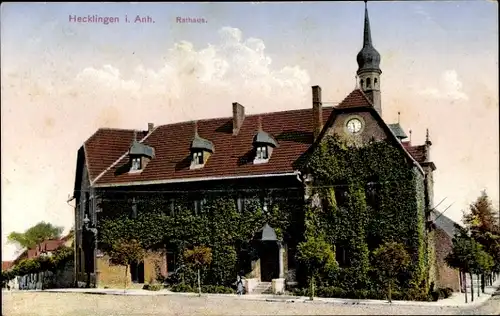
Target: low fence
point(63, 278)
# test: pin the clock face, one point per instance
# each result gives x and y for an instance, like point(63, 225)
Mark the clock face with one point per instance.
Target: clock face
point(354, 126)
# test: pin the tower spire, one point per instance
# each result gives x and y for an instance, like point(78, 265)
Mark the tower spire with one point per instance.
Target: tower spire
point(369, 66)
point(367, 36)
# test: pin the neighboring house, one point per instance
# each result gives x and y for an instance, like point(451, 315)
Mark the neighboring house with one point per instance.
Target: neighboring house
point(444, 233)
point(249, 152)
point(6, 265)
point(46, 247)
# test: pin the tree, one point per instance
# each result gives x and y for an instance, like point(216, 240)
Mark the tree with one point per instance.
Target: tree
point(35, 235)
point(125, 252)
point(483, 224)
point(482, 265)
point(198, 257)
point(316, 254)
point(468, 255)
point(391, 258)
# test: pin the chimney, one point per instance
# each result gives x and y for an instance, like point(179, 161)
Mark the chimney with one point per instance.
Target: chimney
point(151, 126)
point(317, 111)
point(238, 117)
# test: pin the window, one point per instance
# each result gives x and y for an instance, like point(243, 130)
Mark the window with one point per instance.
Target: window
point(341, 256)
point(198, 206)
point(375, 82)
point(368, 82)
point(240, 204)
point(171, 262)
point(133, 214)
point(172, 207)
point(371, 193)
point(198, 157)
point(136, 164)
point(341, 195)
point(362, 83)
point(265, 202)
point(262, 152)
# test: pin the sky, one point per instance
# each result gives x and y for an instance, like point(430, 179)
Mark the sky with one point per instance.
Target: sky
point(62, 80)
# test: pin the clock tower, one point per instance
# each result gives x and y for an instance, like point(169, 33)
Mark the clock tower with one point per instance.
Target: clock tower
point(369, 67)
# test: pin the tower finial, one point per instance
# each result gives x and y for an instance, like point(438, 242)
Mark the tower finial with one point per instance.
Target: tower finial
point(410, 136)
point(367, 36)
point(259, 123)
point(399, 116)
point(427, 137)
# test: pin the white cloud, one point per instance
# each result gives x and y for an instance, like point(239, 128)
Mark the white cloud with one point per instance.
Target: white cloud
point(450, 87)
point(235, 67)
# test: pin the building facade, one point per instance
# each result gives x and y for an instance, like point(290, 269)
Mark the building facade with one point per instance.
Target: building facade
point(249, 158)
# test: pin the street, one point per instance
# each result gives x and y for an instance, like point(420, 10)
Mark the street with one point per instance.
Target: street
point(79, 304)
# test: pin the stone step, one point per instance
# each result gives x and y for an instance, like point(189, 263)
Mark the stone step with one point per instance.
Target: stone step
point(262, 288)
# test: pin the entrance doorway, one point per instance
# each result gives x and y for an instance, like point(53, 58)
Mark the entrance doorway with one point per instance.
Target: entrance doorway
point(269, 261)
point(137, 272)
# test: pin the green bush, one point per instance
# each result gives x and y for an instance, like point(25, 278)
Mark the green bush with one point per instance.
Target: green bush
point(436, 295)
point(447, 292)
point(185, 288)
point(336, 292)
point(215, 289)
point(152, 287)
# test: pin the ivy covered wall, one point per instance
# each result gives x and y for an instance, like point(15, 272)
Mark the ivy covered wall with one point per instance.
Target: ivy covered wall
point(364, 196)
point(360, 197)
point(226, 221)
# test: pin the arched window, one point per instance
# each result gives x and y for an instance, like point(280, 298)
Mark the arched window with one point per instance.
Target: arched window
point(368, 83)
point(361, 83)
point(375, 81)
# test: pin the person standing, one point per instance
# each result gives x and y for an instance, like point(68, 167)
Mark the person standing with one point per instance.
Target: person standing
point(239, 284)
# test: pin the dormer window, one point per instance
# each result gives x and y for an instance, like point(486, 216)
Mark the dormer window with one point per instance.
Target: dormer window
point(198, 157)
point(262, 152)
point(136, 164)
point(264, 145)
point(201, 149)
point(140, 154)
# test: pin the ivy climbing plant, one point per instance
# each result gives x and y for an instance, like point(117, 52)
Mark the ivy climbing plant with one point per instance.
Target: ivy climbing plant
point(363, 197)
point(342, 214)
point(218, 225)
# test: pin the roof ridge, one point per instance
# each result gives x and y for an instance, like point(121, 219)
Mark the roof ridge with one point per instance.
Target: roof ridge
point(119, 159)
point(117, 129)
point(365, 96)
point(246, 115)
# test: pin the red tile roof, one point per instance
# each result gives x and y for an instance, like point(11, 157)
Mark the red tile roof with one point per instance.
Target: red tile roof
point(355, 99)
point(50, 245)
point(292, 129)
point(106, 150)
point(417, 152)
point(6, 265)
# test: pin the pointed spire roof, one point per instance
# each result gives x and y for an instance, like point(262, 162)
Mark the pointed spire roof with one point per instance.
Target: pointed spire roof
point(368, 58)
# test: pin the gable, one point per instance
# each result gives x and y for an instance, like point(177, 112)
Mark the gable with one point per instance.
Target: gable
point(371, 129)
point(357, 105)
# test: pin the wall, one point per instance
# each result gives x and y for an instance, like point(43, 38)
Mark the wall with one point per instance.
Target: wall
point(63, 278)
point(371, 128)
point(113, 276)
point(79, 215)
point(446, 276)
